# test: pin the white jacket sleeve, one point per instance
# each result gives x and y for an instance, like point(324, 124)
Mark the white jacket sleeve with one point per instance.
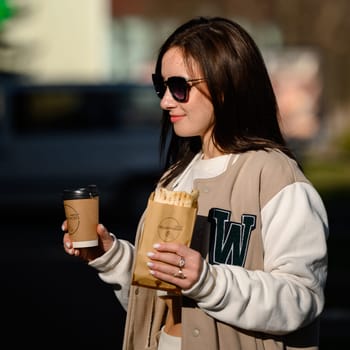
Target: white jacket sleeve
point(114, 267)
point(289, 293)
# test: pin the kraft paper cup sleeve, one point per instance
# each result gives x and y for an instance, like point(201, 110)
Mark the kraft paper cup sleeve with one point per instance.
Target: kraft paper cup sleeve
point(81, 207)
point(163, 223)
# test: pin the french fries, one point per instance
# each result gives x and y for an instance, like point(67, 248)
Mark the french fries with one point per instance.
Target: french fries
point(180, 198)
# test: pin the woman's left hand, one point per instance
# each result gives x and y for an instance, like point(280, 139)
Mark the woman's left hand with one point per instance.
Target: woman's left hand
point(175, 263)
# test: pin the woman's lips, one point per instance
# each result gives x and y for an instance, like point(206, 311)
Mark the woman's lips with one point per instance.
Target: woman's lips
point(176, 118)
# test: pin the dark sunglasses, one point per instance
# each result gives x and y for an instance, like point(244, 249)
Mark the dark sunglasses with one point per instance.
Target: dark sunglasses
point(179, 87)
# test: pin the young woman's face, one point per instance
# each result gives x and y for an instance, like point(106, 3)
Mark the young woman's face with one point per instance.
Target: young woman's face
point(195, 117)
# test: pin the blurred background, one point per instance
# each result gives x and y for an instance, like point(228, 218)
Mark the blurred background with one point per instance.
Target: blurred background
point(77, 107)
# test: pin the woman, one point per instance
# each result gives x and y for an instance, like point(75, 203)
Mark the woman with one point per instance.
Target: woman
point(255, 273)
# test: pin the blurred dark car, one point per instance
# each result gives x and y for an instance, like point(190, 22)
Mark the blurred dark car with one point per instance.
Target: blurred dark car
point(62, 136)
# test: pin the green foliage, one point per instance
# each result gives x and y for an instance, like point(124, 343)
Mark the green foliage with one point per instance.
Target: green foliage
point(343, 142)
point(6, 11)
point(331, 177)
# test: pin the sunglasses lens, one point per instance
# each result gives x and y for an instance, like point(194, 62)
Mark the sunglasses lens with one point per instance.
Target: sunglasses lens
point(177, 85)
point(178, 88)
point(159, 85)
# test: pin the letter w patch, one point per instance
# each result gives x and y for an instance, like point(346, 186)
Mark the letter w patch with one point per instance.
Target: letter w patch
point(229, 240)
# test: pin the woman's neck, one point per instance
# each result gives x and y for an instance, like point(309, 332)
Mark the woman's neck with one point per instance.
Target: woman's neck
point(210, 151)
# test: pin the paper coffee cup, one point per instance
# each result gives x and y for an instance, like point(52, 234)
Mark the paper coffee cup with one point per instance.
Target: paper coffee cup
point(81, 208)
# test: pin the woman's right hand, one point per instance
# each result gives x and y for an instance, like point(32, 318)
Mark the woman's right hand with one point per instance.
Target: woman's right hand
point(105, 242)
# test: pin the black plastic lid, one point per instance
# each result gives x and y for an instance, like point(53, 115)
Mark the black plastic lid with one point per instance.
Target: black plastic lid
point(89, 191)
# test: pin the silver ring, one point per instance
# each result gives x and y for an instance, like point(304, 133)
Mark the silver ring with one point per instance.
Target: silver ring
point(179, 274)
point(181, 262)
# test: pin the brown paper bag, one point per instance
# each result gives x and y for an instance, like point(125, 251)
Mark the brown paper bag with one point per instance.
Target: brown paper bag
point(163, 223)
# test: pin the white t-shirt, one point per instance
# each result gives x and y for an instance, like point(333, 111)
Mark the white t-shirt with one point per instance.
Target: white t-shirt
point(200, 168)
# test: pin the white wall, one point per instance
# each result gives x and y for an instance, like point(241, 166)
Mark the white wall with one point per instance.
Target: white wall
point(63, 40)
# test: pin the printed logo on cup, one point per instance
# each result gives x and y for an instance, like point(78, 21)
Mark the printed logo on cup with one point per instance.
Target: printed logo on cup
point(72, 218)
point(169, 229)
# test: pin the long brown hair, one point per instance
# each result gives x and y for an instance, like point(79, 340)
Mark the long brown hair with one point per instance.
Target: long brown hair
point(245, 107)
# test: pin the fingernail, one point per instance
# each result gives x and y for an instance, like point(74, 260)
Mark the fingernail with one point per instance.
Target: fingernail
point(151, 272)
point(150, 264)
point(68, 245)
point(62, 227)
point(150, 254)
point(156, 245)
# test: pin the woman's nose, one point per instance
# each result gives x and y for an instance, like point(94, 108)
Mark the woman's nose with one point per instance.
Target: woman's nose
point(167, 100)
